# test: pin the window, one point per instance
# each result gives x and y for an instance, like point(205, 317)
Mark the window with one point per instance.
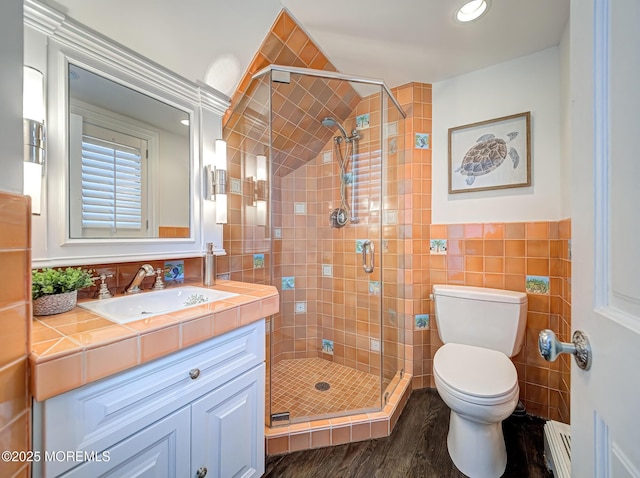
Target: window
point(111, 185)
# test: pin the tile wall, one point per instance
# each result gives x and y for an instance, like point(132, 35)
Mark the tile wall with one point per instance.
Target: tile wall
point(344, 304)
point(15, 323)
point(170, 231)
point(504, 256)
point(119, 275)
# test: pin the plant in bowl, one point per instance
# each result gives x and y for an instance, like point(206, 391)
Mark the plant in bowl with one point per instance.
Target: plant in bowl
point(54, 291)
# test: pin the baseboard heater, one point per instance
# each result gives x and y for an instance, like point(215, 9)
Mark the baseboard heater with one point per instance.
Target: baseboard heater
point(557, 448)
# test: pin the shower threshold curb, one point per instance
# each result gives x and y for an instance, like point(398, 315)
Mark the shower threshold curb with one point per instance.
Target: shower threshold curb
point(341, 430)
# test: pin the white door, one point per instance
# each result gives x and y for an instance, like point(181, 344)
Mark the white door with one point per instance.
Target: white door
point(605, 166)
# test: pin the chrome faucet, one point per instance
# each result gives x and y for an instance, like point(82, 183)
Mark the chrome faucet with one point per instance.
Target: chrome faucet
point(145, 270)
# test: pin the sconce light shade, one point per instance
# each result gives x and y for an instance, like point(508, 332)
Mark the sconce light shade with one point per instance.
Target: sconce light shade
point(33, 95)
point(221, 208)
point(32, 185)
point(33, 111)
point(261, 168)
point(261, 190)
point(220, 159)
point(216, 181)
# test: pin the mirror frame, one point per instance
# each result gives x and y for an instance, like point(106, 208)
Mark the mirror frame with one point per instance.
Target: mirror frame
point(67, 41)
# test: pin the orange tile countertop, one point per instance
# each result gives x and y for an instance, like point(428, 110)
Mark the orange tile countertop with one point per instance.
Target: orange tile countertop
point(78, 347)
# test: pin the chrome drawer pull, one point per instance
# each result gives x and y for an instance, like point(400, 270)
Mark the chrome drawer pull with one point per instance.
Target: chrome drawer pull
point(194, 373)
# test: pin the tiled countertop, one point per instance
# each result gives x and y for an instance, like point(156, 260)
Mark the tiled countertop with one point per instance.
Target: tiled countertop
point(78, 347)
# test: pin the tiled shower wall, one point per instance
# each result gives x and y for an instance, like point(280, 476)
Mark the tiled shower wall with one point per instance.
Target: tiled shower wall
point(15, 325)
point(343, 303)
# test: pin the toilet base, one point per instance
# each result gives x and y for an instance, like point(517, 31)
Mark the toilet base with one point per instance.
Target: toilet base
point(477, 449)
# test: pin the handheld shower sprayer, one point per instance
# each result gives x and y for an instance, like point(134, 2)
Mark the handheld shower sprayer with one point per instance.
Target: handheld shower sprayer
point(342, 215)
point(331, 122)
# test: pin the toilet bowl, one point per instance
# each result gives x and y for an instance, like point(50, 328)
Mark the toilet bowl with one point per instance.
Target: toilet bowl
point(480, 329)
point(479, 401)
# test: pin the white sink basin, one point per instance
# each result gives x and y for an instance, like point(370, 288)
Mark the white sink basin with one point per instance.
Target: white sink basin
point(128, 308)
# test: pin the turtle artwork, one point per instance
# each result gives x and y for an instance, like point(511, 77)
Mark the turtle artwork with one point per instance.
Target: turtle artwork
point(486, 155)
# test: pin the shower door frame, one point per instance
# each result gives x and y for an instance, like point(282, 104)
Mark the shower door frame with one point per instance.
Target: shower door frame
point(283, 74)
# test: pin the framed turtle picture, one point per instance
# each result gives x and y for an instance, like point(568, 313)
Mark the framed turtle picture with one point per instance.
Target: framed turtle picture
point(492, 154)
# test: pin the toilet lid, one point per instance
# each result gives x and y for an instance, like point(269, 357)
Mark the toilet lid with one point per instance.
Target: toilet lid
point(475, 371)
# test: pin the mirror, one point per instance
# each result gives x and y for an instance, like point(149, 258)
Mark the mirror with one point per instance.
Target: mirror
point(129, 162)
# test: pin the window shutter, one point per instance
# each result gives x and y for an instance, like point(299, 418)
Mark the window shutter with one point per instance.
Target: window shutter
point(111, 185)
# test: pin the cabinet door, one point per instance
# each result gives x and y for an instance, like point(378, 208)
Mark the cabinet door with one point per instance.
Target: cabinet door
point(227, 429)
point(160, 450)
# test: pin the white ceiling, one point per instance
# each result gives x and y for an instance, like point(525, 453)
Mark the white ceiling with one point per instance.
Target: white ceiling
point(398, 41)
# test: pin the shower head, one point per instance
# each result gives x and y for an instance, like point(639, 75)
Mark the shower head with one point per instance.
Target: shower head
point(331, 122)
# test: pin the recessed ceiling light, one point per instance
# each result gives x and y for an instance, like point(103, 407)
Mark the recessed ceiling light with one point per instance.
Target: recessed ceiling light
point(471, 10)
point(185, 122)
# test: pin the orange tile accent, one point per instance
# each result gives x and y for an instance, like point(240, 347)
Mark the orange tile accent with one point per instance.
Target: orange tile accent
point(15, 437)
point(278, 445)
point(494, 247)
point(109, 359)
point(14, 397)
point(321, 438)
point(196, 331)
point(494, 265)
point(515, 230)
point(14, 285)
point(538, 230)
point(538, 267)
point(514, 248)
point(340, 435)
point(538, 248)
point(57, 376)
point(473, 231)
point(299, 441)
point(15, 328)
point(13, 333)
point(494, 231)
point(225, 321)
point(473, 247)
point(16, 222)
point(160, 343)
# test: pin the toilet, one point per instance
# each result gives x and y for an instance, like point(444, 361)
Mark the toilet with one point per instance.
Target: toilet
point(480, 328)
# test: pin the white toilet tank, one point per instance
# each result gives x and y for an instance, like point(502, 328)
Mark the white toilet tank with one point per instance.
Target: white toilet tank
point(490, 318)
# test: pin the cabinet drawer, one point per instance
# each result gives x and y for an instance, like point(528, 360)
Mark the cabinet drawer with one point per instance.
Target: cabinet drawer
point(99, 415)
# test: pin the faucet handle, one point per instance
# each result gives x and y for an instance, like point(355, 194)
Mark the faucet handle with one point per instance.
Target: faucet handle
point(104, 292)
point(158, 284)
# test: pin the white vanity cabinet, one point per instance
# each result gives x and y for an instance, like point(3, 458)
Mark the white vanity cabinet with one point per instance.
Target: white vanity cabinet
point(198, 412)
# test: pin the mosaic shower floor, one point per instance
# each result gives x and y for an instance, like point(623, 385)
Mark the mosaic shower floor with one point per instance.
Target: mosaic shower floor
point(296, 391)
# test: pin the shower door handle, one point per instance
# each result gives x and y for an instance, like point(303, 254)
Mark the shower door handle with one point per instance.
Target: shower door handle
point(367, 246)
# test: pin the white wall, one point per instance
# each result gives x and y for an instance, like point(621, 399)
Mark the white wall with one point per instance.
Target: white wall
point(530, 83)
point(11, 148)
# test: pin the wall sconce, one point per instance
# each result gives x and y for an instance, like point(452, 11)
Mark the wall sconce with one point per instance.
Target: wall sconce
point(33, 112)
point(261, 190)
point(216, 181)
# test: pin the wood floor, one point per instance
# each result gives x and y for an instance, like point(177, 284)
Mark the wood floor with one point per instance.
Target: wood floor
point(417, 448)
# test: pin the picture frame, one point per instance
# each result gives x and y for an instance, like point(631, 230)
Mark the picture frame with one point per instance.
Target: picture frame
point(492, 154)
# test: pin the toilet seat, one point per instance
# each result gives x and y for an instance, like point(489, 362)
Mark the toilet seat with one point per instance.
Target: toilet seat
point(474, 374)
